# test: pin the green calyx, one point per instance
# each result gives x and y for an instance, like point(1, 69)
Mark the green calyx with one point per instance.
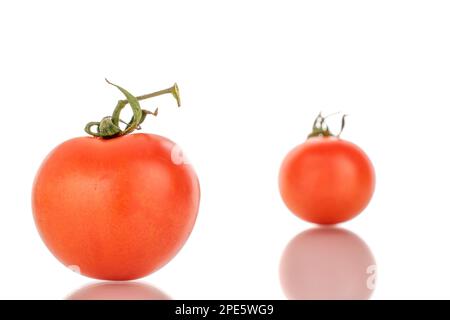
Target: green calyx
point(320, 127)
point(109, 127)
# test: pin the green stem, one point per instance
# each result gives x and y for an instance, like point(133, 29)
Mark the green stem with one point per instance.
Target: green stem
point(320, 128)
point(108, 127)
point(173, 90)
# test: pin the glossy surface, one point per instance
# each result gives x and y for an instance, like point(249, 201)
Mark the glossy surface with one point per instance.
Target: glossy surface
point(115, 209)
point(327, 263)
point(113, 290)
point(326, 180)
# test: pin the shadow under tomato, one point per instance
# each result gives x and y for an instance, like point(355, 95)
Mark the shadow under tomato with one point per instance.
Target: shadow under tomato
point(327, 263)
point(111, 290)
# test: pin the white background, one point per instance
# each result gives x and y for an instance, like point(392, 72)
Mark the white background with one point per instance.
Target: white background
point(253, 75)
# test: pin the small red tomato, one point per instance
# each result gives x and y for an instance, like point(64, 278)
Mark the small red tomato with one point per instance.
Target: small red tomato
point(326, 180)
point(118, 206)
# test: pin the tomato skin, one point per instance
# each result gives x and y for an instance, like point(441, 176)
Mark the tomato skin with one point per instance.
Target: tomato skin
point(117, 209)
point(326, 180)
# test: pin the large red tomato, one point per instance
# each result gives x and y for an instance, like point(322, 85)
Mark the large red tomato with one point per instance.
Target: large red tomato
point(116, 206)
point(115, 209)
point(326, 180)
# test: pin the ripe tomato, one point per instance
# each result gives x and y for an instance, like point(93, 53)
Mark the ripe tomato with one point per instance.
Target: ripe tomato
point(117, 209)
point(116, 206)
point(326, 180)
